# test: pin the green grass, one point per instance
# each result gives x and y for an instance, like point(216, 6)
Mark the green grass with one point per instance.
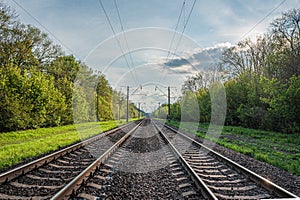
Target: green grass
point(18, 146)
point(279, 149)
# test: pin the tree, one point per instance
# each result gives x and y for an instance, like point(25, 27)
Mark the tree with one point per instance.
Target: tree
point(200, 80)
point(286, 30)
point(104, 99)
point(80, 105)
point(286, 37)
point(260, 74)
point(64, 69)
point(13, 115)
point(283, 101)
point(204, 102)
point(29, 99)
point(42, 47)
point(248, 57)
point(7, 18)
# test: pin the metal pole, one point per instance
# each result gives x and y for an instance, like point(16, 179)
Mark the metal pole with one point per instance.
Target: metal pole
point(97, 106)
point(169, 108)
point(158, 113)
point(127, 111)
point(119, 106)
point(139, 109)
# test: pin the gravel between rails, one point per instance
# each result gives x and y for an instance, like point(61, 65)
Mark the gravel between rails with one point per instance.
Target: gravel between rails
point(142, 168)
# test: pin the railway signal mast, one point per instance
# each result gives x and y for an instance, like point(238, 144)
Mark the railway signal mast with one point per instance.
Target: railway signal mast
point(169, 107)
point(127, 106)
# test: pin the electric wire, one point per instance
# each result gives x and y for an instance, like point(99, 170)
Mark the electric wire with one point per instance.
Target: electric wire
point(44, 27)
point(260, 21)
point(179, 40)
point(173, 37)
point(184, 27)
point(118, 41)
point(126, 41)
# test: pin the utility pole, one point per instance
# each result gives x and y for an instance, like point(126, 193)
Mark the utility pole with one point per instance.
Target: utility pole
point(158, 114)
point(169, 108)
point(139, 110)
point(127, 106)
point(119, 108)
point(97, 107)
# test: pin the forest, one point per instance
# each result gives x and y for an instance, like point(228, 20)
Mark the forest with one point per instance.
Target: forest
point(39, 84)
point(261, 79)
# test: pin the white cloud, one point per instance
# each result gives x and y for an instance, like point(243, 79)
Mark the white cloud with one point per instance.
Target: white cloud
point(220, 46)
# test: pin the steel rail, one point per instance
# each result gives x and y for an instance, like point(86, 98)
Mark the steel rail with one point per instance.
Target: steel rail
point(14, 173)
point(73, 186)
point(206, 192)
point(270, 186)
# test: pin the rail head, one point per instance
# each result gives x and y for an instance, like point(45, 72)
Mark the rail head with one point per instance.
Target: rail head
point(14, 173)
point(272, 187)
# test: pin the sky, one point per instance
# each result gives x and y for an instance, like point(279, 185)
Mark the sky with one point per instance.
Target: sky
point(147, 52)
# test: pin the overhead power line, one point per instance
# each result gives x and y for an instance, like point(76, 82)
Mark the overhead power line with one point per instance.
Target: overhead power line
point(260, 21)
point(179, 40)
point(184, 27)
point(172, 40)
point(118, 41)
point(125, 38)
point(44, 27)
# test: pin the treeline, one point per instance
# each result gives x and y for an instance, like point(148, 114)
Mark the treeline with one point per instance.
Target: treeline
point(261, 79)
point(39, 84)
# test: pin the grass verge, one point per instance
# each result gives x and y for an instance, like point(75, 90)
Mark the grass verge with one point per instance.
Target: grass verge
point(278, 149)
point(18, 146)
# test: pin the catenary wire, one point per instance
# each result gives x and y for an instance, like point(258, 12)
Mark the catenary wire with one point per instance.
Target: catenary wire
point(173, 37)
point(126, 41)
point(44, 27)
point(179, 40)
point(260, 21)
point(118, 41)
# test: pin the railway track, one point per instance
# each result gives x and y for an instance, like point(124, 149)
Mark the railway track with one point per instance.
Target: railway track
point(140, 166)
point(219, 177)
point(145, 160)
point(42, 178)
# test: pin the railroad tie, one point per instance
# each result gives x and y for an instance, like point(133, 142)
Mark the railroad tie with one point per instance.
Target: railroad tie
point(88, 196)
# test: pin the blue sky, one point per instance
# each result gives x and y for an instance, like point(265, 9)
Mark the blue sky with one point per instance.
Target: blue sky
point(81, 24)
point(82, 27)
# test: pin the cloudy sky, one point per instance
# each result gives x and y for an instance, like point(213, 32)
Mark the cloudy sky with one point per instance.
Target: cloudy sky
point(150, 54)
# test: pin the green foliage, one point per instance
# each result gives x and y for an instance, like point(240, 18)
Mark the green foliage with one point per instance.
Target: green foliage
point(104, 98)
point(133, 111)
point(263, 78)
point(236, 94)
point(64, 70)
point(162, 111)
point(80, 105)
point(283, 101)
point(204, 105)
point(29, 97)
point(29, 100)
point(175, 111)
